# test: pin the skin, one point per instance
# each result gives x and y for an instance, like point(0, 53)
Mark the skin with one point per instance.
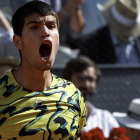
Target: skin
point(84, 83)
point(4, 69)
point(34, 73)
point(76, 17)
point(4, 23)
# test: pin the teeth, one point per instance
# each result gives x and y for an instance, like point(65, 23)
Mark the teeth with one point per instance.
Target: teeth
point(44, 58)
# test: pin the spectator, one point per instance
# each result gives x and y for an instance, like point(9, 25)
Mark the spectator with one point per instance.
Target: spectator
point(85, 75)
point(131, 119)
point(71, 20)
point(7, 63)
point(91, 19)
point(6, 36)
point(118, 41)
point(35, 104)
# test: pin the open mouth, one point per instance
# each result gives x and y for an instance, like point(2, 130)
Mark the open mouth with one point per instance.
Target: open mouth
point(45, 51)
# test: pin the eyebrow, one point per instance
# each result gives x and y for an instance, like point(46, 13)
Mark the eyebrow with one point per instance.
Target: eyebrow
point(39, 22)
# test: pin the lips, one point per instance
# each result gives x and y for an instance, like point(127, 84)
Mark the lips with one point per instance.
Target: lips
point(45, 50)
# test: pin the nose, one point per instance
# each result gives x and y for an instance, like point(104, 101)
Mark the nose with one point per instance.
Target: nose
point(45, 32)
point(86, 83)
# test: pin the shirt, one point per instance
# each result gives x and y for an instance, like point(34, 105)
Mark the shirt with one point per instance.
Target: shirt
point(56, 113)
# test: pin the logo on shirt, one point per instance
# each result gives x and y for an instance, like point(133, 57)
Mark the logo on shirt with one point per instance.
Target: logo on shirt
point(38, 102)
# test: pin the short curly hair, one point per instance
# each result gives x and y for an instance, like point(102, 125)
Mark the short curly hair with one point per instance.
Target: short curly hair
point(78, 65)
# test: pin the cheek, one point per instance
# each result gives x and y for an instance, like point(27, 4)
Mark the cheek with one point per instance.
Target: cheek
point(56, 41)
point(55, 37)
point(29, 38)
point(28, 42)
point(93, 86)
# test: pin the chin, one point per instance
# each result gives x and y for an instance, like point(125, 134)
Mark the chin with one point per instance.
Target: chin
point(48, 67)
point(44, 67)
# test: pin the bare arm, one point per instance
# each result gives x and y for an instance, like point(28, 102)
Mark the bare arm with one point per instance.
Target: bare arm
point(4, 23)
point(72, 9)
point(77, 20)
point(78, 139)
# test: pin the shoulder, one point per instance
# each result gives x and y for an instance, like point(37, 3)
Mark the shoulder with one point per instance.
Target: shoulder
point(74, 96)
point(8, 85)
point(106, 112)
point(4, 84)
point(107, 115)
point(5, 80)
point(62, 83)
point(65, 85)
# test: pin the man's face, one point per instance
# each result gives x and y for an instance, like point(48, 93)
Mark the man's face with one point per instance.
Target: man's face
point(123, 35)
point(39, 41)
point(85, 81)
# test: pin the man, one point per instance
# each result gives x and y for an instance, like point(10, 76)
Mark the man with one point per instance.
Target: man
point(35, 104)
point(69, 14)
point(131, 119)
point(117, 42)
point(85, 75)
point(7, 63)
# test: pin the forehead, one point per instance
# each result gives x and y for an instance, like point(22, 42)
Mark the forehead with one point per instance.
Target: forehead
point(37, 17)
point(90, 71)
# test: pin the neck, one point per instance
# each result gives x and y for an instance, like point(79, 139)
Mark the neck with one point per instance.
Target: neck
point(33, 79)
point(88, 109)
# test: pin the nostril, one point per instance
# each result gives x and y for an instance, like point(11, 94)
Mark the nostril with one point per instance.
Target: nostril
point(45, 34)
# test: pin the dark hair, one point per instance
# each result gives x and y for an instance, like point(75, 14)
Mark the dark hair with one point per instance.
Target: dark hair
point(28, 9)
point(78, 65)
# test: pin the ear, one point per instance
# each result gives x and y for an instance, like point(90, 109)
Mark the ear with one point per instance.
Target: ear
point(17, 41)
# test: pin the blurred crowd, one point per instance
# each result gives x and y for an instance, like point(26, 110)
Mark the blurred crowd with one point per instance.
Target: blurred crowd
point(98, 32)
point(105, 31)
